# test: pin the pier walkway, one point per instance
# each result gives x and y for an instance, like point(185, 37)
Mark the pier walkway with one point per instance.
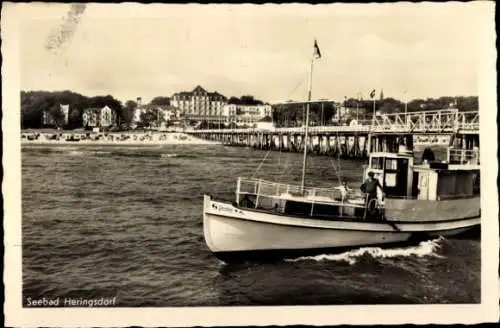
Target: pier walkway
point(382, 133)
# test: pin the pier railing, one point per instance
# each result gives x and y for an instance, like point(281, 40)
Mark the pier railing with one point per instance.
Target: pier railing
point(428, 121)
point(433, 121)
point(468, 120)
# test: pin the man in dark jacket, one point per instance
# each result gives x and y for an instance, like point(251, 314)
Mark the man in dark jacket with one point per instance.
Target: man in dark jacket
point(369, 187)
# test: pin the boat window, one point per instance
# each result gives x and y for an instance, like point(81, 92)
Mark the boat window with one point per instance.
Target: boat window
point(390, 179)
point(391, 164)
point(476, 184)
point(455, 184)
point(377, 163)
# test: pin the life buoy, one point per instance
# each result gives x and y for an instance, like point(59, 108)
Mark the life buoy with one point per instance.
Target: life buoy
point(370, 203)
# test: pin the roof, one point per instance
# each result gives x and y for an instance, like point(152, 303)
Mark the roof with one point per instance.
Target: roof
point(393, 155)
point(448, 168)
point(162, 107)
point(199, 89)
point(96, 109)
point(183, 93)
point(216, 94)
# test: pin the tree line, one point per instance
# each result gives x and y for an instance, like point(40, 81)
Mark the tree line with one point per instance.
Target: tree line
point(324, 112)
point(35, 103)
point(293, 114)
point(245, 100)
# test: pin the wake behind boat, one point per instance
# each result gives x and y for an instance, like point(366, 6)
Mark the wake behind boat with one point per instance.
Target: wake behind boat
point(402, 201)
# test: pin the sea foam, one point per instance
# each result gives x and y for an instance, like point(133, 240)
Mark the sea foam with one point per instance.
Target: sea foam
point(168, 155)
point(425, 248)
point(76, 153)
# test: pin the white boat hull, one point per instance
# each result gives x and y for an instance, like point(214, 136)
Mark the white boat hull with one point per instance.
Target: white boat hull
point(234, 234)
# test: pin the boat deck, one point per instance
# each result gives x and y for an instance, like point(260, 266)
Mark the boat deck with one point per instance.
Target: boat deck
point(292, 199)
point(276, 190)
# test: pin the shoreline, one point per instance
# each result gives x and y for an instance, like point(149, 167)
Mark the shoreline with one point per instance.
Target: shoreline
point(112, 139)
point(134, 139)
point(113, 143)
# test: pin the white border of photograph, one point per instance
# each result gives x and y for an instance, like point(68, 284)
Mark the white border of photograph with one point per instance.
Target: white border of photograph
point(16, 315)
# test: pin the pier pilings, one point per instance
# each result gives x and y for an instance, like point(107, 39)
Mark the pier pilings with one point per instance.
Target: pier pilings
point(340, 144)
point(343, 145)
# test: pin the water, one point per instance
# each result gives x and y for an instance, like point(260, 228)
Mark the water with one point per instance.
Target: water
point(126, 222)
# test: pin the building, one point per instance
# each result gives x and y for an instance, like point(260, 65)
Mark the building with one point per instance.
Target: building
point(48, 119)
point(164, 114)
point(264, 126)
point(200, 104)
point(65, 110)
point(246, 114)
point(346, 113)
point(170, 113)
point(99, 117)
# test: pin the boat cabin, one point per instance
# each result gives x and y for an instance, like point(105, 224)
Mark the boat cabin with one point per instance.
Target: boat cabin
point(393, 171)
point(400, 177)
point(441, 181)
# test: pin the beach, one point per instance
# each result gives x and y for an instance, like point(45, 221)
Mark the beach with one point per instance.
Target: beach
point(112, 138)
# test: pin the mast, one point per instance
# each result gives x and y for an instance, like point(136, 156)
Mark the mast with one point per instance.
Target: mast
point(308, 104)
point(406, 109)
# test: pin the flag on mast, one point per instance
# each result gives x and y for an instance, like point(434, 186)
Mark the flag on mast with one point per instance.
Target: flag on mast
point(372, 94)
point(317, 53)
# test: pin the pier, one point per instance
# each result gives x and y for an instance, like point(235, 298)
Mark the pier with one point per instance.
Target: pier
point(383, 133)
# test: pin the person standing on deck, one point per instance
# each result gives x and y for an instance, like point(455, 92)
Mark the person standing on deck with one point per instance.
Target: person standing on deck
point(475, 156)
point(369, 187)
point(344, 190)
point(428, 156)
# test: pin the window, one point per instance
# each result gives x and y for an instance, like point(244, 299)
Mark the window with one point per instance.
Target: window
point(377, 162)
point(391, 164)
point(390, 179)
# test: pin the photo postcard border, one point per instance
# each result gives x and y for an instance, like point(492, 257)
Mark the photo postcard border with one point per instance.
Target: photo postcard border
point(219, 316)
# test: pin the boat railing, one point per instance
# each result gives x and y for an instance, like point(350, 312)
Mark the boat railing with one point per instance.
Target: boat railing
point(463, 156)
point(261, 189)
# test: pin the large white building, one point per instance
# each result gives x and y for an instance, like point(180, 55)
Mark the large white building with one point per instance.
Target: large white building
point(246, 114)
point(200, 104)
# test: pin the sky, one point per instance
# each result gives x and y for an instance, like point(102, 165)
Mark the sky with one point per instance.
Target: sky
point(134, 50)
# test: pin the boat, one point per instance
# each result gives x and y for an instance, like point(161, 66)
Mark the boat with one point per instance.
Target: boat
point(271, 220)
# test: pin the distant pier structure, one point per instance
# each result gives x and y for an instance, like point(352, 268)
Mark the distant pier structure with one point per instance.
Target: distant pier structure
point(384, 132)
